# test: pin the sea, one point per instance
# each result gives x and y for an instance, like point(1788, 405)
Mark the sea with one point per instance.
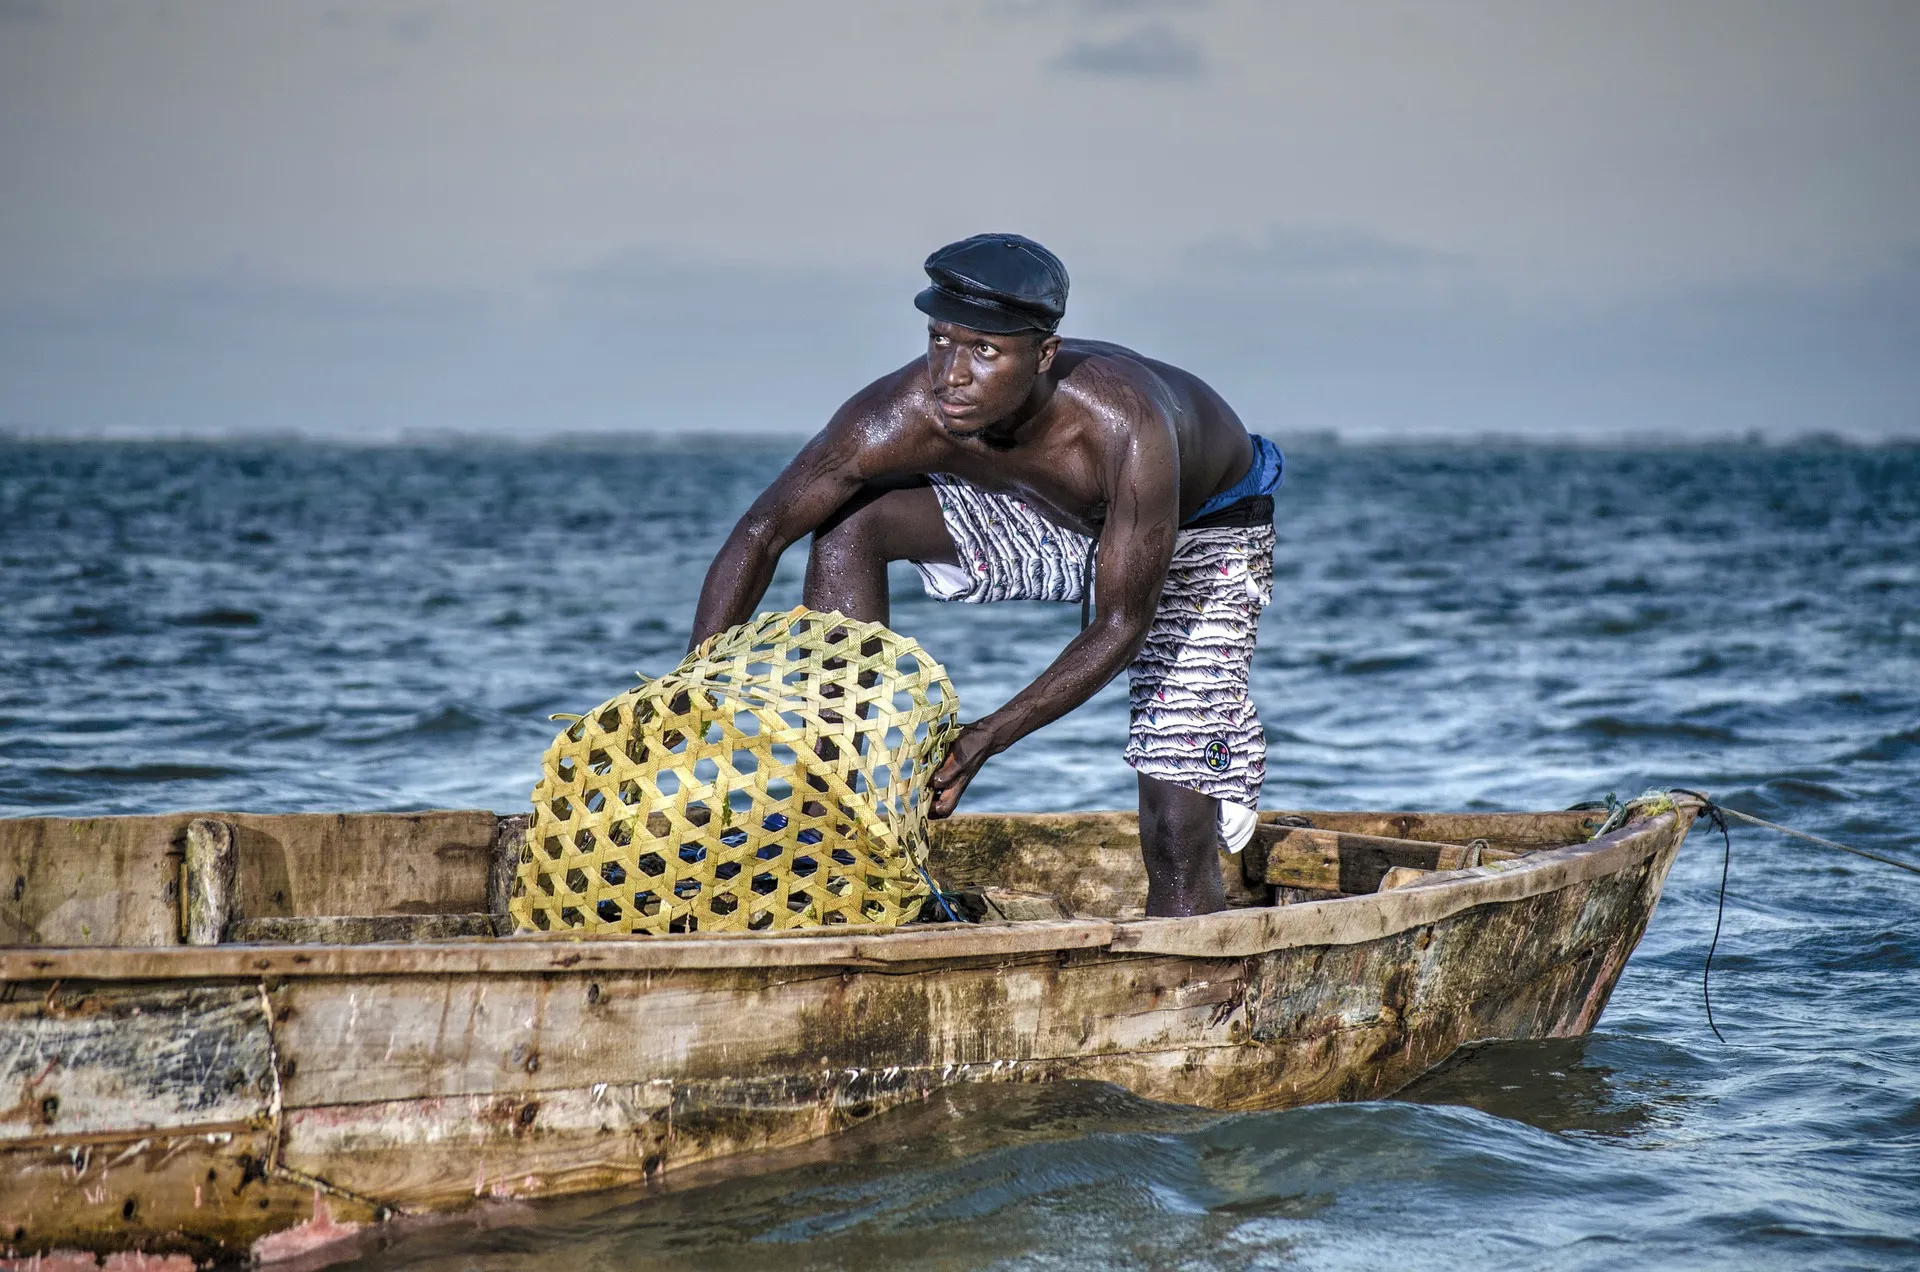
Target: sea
point(1463, 625)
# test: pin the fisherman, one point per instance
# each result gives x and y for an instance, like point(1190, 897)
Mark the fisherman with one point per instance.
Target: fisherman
point(1013, 464)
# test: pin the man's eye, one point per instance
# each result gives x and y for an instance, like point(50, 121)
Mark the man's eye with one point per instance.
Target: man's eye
point(987, 350)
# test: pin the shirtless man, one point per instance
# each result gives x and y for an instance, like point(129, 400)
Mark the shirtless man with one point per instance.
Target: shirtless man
point(1014, 464)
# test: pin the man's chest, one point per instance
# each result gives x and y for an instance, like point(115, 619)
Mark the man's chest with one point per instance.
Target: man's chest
point(1064, 492)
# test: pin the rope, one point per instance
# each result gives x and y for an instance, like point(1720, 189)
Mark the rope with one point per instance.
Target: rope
point(1717, 815)
point(1719, 913)
point(1815, 839)
point(939, 897)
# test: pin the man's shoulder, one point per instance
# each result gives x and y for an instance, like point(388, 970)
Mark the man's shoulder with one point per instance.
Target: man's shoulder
point(896, 398)
point(1102, 359)
point(889, 417)
point(1114, 377)
point(1100, 348)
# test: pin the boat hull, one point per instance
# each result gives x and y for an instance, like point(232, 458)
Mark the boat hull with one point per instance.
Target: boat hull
point(215, 1100)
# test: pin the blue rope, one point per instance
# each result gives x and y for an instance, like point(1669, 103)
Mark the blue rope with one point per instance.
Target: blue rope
point(938, 895)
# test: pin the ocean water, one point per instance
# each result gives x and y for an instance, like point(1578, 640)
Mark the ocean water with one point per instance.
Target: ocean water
point(293, 627)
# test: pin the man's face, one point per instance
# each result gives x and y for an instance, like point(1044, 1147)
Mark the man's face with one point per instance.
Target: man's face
point(979, 378)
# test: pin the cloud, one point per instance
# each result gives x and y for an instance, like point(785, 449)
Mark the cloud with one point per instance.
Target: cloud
point(1153, 51)
point(412, 28)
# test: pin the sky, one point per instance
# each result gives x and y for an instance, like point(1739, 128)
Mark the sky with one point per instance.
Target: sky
point(1693, 217)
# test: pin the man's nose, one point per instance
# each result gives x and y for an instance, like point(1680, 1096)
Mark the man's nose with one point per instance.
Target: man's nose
point(956, 371)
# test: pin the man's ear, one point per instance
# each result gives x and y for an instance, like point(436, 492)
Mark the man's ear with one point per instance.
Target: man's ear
point(1048, 347)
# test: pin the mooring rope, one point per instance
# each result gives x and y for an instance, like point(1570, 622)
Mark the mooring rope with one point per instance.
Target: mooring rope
point(1717, 815)
point(1815, 839)
point(1719, 822)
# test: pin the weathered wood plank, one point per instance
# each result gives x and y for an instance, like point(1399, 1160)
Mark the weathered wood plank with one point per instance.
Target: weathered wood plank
point(1507, 832)
point(1400, 876)
point(822, 947)
point(207, 1195)
point(436, 1036)
point(1356, 920)
point(1342, 861)
point(503, 864)
point(80, 1060)
point(95, 881)
point(1012, 905)
point(363, 863)
point(207, 877)
point(115, 880)
point(1090, 861)
point(366, 929)
point(443, 1152)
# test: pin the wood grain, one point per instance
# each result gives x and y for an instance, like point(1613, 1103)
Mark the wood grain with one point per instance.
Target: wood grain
point(207, 878)
point(115, 880)
point(1341, 861)
point(208, 1195)
point(80, 1059)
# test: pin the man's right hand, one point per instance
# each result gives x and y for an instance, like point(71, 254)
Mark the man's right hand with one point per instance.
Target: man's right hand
point(972, 748)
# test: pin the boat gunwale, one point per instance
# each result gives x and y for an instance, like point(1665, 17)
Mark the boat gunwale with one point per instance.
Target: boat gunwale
point(1235, 933)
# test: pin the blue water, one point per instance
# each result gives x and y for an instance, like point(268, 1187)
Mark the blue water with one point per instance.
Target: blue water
point(306, 627)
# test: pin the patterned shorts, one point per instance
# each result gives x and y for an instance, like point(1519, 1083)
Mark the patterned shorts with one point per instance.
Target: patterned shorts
point(1193, 722)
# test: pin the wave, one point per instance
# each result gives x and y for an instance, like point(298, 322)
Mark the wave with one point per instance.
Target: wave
point(218, 617)
point(1614, 728)
point(449, 721)
point(148, 772)
point(1887, 748)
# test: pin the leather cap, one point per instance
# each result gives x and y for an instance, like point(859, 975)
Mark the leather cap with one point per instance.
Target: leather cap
point(996, 282)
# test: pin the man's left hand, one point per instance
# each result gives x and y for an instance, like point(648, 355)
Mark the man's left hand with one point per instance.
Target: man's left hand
point(969, 751)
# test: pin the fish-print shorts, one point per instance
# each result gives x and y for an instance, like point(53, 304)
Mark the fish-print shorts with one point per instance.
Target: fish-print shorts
point(1193, 722)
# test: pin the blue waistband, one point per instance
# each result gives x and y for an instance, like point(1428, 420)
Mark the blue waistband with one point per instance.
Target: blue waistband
point(1264, 475)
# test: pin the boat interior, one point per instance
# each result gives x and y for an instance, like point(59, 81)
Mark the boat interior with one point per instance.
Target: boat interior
point(360, 878)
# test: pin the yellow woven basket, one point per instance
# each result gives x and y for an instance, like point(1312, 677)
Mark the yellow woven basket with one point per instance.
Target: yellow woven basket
point(776, 779)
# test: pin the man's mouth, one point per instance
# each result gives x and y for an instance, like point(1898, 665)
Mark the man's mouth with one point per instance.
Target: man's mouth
point(953, 408)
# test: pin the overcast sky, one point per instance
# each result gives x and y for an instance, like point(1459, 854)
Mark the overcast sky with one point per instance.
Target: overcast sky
point(373, 219)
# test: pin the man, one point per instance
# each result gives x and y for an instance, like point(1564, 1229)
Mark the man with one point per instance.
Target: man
point(1013, 464)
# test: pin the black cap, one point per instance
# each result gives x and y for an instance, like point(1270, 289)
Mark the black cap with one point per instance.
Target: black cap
point(996, 282)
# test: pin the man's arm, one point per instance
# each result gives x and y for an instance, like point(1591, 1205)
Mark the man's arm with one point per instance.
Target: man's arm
point(1130, 566)
point(862, 441)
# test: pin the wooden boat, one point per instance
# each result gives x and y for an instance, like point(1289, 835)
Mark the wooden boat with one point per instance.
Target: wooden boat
point(229, 1034)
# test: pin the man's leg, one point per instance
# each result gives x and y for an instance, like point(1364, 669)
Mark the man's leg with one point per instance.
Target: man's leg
point(1178, 834)
point(847, 566)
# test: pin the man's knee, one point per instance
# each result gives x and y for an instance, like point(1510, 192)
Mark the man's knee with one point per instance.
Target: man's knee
point(857, 529)
point(1177, 826)
point(888, 524)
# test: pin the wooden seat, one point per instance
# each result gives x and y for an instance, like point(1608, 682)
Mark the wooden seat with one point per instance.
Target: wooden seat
point(1345, 863)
